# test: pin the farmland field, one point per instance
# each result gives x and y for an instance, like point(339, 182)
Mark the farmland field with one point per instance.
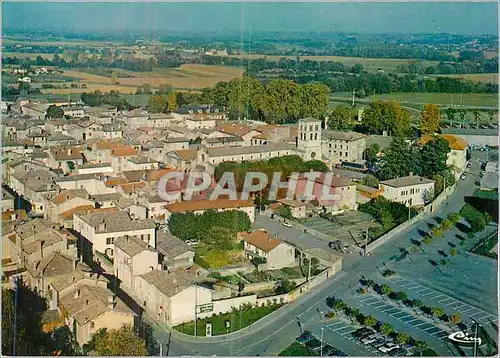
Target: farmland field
point(444, 99)
point(477, 77)
point(369, 64)
point(190, 76)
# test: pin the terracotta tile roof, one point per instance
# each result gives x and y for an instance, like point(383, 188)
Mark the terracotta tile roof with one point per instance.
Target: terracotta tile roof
point(116, 181)
point(131, 187)
point(455, 143)
point(235, 129)
point(155, 175)
point(187, 154)
point(110, 144)
point(66, 195)
point(187, 206)
point(82, 209)
point(123, 151)
point(262, 240)
point(70, 153)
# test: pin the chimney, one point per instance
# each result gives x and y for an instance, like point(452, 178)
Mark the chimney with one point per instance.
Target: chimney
point(75, 264)
point(70, 151)
point(77, 294)
point(102, 225)
point(87, 302)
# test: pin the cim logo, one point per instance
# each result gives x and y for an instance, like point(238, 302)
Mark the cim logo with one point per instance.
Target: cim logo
point(464, 338)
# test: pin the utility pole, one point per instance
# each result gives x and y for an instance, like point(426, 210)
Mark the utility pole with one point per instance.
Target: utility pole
point(322, 329)
point(195, 309)
point(16, 283)
point(353, 97)
point(161, 348)
point(309, 274)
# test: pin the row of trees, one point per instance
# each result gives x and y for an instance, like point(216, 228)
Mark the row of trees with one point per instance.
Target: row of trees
point(279, 101)
point(129, 63)
point(211, 227)
point(448, 68)
point(370, 321)
point(401, 296)
point(369, 83)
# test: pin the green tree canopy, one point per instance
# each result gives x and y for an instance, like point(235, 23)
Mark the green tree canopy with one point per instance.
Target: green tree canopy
point(54, 112)
point(383, 116)
point(433, 156)
point(370, 180)
point(398, 160)
point(341, 118)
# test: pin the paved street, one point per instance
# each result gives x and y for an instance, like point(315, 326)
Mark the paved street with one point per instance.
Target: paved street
point(456, 290)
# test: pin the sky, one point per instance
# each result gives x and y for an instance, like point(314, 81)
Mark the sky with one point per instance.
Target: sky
point(460, 18)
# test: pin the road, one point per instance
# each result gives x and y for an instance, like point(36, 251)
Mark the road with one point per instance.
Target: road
point(274, 333)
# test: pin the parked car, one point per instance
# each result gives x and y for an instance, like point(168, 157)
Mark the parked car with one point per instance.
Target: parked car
point(463, 176)
point(469, 164)
point(362, 332)
point(378, 343)
point(371, 338)
point(386, 348)
point(481, 174)
point(313, 343)
point(337, 353)
point(305, 337)
point(287, 224)
point(398, 352)
point(327, 350)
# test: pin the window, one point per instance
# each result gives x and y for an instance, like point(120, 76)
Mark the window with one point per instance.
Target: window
point(110, 240)
point(311, 136)
point(316, 127)
point(346, 154)
point(315, 136)
point(341, 146)
point(310, 128)
point(330, 145)
point(402, 192)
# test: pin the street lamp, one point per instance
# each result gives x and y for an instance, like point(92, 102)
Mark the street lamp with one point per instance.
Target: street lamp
point(195, 308)
point(475, 336)
point(321, 353)
point(161, 347)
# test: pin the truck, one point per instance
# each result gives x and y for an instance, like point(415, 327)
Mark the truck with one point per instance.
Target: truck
point(339, 246)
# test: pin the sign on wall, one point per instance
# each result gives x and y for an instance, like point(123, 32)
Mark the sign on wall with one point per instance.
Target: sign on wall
point(208, 307)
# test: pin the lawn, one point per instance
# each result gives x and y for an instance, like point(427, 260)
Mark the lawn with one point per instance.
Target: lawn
point(486, 248)
point(248, 316)
point(443, 99)
point(297, 350)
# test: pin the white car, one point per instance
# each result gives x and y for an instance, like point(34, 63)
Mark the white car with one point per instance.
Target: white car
point(287, 224)
point(191, 243)
point(372, 338)
point(386, 348)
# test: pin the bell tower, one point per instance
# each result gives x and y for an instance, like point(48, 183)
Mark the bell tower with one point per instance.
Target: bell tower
point(309, 140)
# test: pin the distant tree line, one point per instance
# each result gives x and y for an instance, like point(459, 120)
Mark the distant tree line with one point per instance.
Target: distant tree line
point(480, 65)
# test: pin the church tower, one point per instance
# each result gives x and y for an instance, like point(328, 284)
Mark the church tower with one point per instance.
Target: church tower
point(309, 139)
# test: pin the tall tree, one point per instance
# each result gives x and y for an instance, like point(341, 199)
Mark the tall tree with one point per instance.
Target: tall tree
point(398, 160)
point(383, 116)
point(158, 103)
point(23, 315)
point(341, 119)
point(429, 119)
point(433, 156)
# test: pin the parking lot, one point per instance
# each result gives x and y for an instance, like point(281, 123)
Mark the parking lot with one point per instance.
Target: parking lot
point(347, 227)
point(403, 315)
point(448, 303)
point(346, 330)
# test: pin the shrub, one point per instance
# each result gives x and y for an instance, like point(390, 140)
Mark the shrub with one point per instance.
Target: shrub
point(454, 318)
point(427, 239)
point(330, 315)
